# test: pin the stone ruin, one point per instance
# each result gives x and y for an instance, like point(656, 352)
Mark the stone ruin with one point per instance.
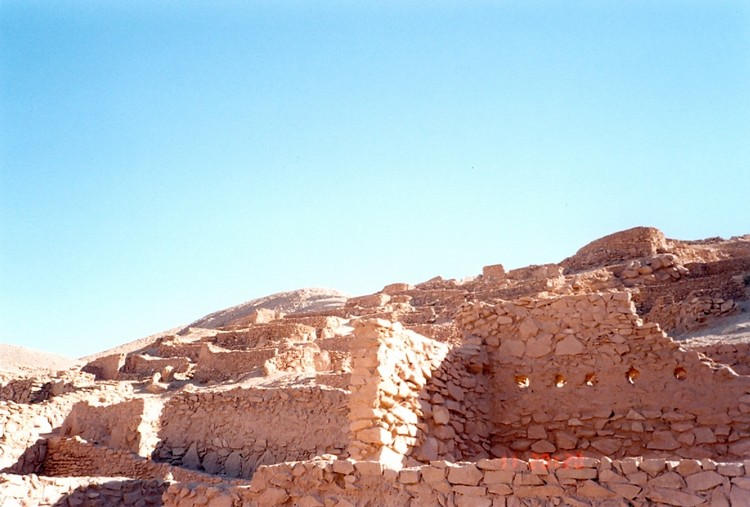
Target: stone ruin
point(561, 384)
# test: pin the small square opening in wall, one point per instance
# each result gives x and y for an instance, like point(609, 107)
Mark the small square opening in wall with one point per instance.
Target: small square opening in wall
point(522, 381)
point(680, 373)
point(590, 379)
point(560, 380)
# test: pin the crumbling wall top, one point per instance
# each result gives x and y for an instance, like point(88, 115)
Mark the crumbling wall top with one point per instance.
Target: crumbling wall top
point(629, 244)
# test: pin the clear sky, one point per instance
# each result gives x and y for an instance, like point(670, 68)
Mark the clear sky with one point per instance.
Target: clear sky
point(163, 160)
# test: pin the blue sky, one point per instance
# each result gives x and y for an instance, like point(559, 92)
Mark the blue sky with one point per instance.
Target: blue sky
point(162, 160)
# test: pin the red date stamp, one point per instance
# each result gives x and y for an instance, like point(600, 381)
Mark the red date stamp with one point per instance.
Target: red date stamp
point(538, 461)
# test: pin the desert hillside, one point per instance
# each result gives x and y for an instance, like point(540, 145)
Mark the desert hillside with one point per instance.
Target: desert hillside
point(16, 359)
point(618, 376)
point(299, 301)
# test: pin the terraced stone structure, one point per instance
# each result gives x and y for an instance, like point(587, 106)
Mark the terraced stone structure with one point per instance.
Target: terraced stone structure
point(546, 385)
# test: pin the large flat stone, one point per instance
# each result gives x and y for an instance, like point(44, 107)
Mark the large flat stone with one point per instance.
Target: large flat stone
point(674, 497)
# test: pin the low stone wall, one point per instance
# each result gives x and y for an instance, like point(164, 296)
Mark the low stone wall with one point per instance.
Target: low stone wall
point(33, 490)
point(369, 301)
point(41, 388)
point(20, 390)
point(218, 365)
point(325, 326)
point(726, 286)
point(649, 270)
point(264, 335)
point(338, 343)
point(143, 365)
point(575, 481)
point(303, 358)
point(23, 426)
point(733, 266)
point(337, 380)
point(583, 373)
point(232, 432)
point(390, 367)
point(194, 494)
point(180, 349)
point(74, 457)
point(20, 429)
point(697, 311)
point(535, 272)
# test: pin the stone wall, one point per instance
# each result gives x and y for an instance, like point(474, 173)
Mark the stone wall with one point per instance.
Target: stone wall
point(735, 355)
point(144, 365)
point(231, 432)
point(535, 272)
point(264, 335)
point(217, 364)
point(338, 351)
point(494, 273)
point(629, 244)
point(33, 490)
point(177, 348)
point(583, 373)
point(737, 266)
point(74, 457)
point(129, 425)
point(648, 270)
point(390, 367)
point(23, 426)
point(369, 301)
point(698, 310)
point(456, 405)
point(446, 333)
point(338, 343)
point(40, 388)
point(20, 390)
point(325, 480)
point(302, 358)
point(576, 481)
point(338, 380)
point(716, 285)
point(325, 326)
point(106, 367)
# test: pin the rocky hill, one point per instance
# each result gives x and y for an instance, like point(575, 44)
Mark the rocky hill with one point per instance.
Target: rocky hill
point(617, 376)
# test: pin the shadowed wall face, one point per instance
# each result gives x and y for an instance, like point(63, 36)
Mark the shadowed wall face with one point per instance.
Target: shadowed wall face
point(233, 432)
